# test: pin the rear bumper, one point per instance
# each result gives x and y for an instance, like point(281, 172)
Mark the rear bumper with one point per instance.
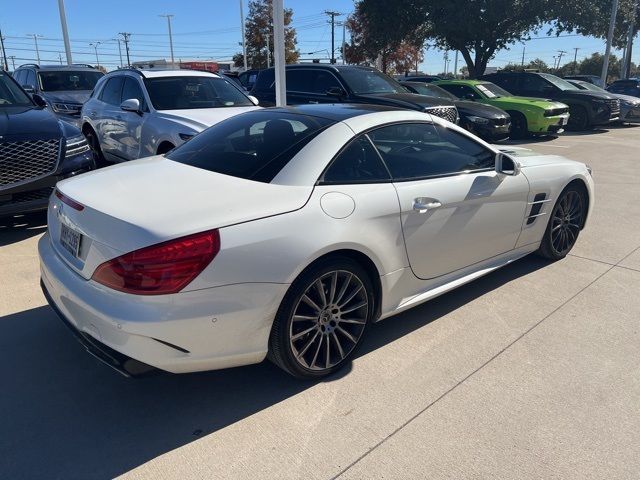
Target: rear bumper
point(191, 331)
point(630, 115)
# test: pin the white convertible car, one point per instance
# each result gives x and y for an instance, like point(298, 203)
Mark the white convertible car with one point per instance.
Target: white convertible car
point(285, 232)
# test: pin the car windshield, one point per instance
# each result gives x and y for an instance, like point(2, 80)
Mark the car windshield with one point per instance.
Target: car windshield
point(588, 86)
point(178, 93)
point(362, 81)
point(59, 81)
point(10, 94)
point(255, 145)
point(432, 91)
point(491, 90)
point(558, 82)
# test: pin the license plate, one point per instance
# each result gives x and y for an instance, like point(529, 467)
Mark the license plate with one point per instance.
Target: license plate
point(563, 121)
point(70, 239)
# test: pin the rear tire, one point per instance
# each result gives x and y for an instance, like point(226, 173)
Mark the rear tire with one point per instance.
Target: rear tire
point(94, 145)
point(578, 118)
point(519, 125)
point(322, 318)
point(565, 222)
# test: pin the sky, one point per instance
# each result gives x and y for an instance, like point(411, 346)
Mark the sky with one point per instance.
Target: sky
point(210, 29)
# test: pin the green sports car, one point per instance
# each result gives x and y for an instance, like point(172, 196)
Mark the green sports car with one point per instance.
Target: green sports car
point(529, 116)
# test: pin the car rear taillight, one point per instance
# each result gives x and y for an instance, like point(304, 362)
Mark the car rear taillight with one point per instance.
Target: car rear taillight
point(160, 269)
point(69, 201)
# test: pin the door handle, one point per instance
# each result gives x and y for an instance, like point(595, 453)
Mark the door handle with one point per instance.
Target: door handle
point(423, 205)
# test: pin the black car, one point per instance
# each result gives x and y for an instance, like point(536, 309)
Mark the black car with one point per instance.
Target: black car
point(586, 108)
point(318, 83)
point(630, 86)
point(489, 123)
point(65, 88)
point(36, 150)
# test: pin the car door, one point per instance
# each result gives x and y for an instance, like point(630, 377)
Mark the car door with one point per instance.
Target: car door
point(456, 210)
point(107, 118)
point(536, 86)
point(130, 138)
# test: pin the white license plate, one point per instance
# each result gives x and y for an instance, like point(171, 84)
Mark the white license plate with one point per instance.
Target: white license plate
point(70, 239)
point(564, 121)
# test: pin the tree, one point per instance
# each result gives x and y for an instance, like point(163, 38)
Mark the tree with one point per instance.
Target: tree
point(537, 64)
point(259, 27)
point(366, 47)
point(476, 28)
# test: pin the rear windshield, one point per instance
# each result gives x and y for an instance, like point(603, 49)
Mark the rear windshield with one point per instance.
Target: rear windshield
point(68, 80)
point(178, 93)
point(255, 145)
point(370, 82)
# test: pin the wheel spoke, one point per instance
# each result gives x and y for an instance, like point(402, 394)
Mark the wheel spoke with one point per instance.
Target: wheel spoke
point(352, 321)
point(333, 286)
point(328, 360)
point(304, 318)
point(303, 333)
point(346, 334)
point(353, 294)
point(306, 347)
point(311, 303)
point(355, 307)
point(343, 289)
point(320, 288)
point(315, 355)
point(337, 342)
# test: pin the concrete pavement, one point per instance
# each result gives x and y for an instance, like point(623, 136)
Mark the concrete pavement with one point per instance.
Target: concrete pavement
point(530, 372)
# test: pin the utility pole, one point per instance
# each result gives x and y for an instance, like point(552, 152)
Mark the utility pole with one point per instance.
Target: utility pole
point(344, 43)
point(65, 32)
point(522, 64)
point(95, 47)
point(333, 16)
point(561, 53)
point(575, 59)
point(446, 61)
point(13, 61)
point(4, 52)
point(455, 66)
point(169, 17)
point(125, 39)
point(35, 39)
point(554, 61)
point(244, 38)
point(119, 50)
point(268, 50)
point(607, 53)
point(279, 51)
point(626, 67)
point(60, 58)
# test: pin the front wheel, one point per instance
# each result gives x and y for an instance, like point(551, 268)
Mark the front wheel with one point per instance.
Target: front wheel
point(322, 318)
point(519, 126)
point(567, 218)
point(578, 118)
point(94, 146)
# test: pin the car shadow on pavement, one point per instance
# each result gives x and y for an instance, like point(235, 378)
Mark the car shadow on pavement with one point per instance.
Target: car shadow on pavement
point(65, 415)
point(16, 229)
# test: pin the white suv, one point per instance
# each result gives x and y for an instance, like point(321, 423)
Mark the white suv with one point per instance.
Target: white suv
point(137, 113)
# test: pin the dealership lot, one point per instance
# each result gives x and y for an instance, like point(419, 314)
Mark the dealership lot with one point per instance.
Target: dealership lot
point(530, 372)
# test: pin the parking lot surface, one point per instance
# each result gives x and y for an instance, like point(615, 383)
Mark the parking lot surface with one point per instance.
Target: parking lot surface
point(529, 372)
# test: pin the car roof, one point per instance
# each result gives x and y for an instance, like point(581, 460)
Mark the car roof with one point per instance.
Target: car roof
point(77, 67)
point(175, 73)
point(328, 66)
point(462, 82)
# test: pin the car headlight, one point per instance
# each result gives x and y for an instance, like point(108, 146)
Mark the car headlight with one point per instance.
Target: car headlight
point(76, 145)
point(68, 108)
point(186, 136)
point(478, 120)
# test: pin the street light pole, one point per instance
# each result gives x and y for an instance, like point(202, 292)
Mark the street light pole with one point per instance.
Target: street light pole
point(65, 32)
point(119, 50)
point(244, 38)
point(169, 17)
point(125, 37)
point(279, 53)
point(607, 53)
point(626, 67)
point(95, 47)
point(4, 52)
point(35, 39)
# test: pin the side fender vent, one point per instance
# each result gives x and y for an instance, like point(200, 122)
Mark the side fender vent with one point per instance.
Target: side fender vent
point(536, 206)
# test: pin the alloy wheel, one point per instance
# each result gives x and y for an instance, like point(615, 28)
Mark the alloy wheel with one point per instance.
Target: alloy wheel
point(328, 320)
point(566, 222)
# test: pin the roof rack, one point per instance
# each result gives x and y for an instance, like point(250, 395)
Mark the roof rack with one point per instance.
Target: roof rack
point(29, 65)
point(129, 69)
point(82, 65)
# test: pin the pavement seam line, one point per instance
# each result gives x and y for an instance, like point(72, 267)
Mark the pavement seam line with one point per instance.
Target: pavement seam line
point(504, 349)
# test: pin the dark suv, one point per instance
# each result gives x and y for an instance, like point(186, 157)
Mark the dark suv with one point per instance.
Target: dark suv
point(63, 88)
point(317, 83)
point(586, 108)
point(36, 150)
point(630, 86)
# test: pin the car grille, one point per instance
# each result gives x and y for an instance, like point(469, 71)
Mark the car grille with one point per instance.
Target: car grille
point(614, 107)
point(23, 197)
point(27, 160)
point(552, 112)
point(448, 113)
point(498, 122)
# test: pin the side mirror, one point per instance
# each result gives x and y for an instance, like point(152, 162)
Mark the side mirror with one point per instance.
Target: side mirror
point(254, 100)
point(29, 88)
point(131, 105)
point(38, 100)
point(336, 92)
point(506, 165)
point(470, 96)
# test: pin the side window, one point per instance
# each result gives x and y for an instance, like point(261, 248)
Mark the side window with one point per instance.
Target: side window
point(532, 83)
point(357, 163)
point(508, 82)
point(466, 91)
point(421, 150)
point(132, 89)
point(19, 76)
point(111, 93)
point(31, 78)
point(323, 81)
point(455, 89)
point(299, 80)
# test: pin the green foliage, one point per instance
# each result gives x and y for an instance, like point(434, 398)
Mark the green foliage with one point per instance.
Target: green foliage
point(259, 25)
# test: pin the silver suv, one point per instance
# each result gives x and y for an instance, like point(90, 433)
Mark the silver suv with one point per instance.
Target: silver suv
point(137, 113)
